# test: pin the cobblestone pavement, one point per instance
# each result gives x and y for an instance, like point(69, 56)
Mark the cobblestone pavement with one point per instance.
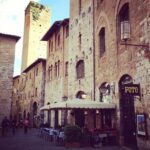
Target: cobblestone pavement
point(31, 141)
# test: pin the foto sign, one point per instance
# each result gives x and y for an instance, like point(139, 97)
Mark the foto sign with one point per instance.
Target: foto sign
point(131, 89)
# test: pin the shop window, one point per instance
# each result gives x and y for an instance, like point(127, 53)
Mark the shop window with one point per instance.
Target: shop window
point(80, 69)
point(124, 24)
point(102, 41)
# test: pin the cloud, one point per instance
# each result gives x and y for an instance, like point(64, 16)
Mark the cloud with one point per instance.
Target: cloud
point(12, 22)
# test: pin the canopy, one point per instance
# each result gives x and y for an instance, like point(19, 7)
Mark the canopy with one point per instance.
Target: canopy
point(46, 107)
point(81, 104)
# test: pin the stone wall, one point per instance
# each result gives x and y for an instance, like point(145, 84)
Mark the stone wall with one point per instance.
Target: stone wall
point(81, 48)
point(7, 53)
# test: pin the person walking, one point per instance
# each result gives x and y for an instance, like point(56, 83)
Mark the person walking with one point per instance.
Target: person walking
point(26, 125)
point(13, 126)
point(4, 125)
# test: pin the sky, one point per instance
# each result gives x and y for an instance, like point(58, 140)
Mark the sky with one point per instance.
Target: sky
point(12, 20)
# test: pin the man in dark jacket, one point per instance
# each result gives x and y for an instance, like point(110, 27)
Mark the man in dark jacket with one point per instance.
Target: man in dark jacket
point(4, 125)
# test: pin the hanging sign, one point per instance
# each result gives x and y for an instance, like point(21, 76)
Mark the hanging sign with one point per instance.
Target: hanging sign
point(131, 89)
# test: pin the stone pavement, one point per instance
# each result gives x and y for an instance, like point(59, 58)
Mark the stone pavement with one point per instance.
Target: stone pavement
point(31, 141)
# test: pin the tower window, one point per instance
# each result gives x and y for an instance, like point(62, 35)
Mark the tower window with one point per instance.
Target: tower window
point(102, 41)
point(80, 69)
point(66, 68)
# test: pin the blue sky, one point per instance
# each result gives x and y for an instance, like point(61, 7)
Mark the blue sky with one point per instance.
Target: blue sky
point(60, 8)
point(12, 20)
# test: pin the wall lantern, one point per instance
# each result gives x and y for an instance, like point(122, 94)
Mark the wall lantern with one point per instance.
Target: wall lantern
point(125, 30)
point(97, 111)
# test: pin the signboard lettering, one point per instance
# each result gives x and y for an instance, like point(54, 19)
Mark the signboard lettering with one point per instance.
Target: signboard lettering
point(131, 89)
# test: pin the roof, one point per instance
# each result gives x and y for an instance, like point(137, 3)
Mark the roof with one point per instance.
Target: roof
point(80, 104)
point(10, 36)
point(34, 63)
point(56, 26)
point(16, 76)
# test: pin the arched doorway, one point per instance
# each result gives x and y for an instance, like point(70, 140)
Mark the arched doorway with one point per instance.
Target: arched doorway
point(34, 113)
point(127, 114)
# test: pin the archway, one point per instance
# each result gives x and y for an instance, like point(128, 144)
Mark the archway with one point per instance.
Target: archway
point(79, 113)
point(127, 114)
point(34, 113)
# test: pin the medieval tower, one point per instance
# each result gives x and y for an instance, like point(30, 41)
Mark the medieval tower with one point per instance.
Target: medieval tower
point(37, 22)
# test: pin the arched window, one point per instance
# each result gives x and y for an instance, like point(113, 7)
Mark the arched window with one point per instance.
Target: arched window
point(124, 24)
point(102, 41)
point(80, 69)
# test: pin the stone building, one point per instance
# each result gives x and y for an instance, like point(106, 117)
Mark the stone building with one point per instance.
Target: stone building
point(16, 107)
point(37, 22)
point(80, 56)
point(7, 54)
point(56, 86)
point(34, 90)
point(122, 59)
point(29, 92)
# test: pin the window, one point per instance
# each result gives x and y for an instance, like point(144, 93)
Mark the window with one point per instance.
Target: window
point(49, 48)
point(58, 39)
point(50, 72)
point(99, 2)
point(80, 69)
point(36, 71)
point(67, 31)
point(80, 40)
point(58, 68)
point(36, 92)
point(30, 75)
point(66, 68)
point(124, 25)
point(102, 41)
point(80, 6)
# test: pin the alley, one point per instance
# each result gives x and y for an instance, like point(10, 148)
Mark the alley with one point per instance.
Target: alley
point(31, 141)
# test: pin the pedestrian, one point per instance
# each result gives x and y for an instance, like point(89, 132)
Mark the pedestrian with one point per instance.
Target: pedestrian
point(13, 126)
point(26, 125)
point(4, 125)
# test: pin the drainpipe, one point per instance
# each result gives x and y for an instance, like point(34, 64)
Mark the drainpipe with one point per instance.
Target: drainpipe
point(94, 51)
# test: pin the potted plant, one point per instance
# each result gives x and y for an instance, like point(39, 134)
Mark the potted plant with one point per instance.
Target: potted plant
point(73, 135)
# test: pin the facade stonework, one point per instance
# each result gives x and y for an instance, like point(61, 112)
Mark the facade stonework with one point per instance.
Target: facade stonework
point(29, 93)
point(56, 66)
point(7, 54)
point(123, 58)
point(102, 48)
point(37, 22)
point(81, 48)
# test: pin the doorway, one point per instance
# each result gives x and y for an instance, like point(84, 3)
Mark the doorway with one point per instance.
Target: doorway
point(127, 114)
point(79, 117)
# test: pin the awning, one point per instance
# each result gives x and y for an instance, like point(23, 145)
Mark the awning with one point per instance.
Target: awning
point(46, 107)
point(81, 104)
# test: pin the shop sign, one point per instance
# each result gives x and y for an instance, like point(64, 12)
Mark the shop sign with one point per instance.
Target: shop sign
point(131, 89)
